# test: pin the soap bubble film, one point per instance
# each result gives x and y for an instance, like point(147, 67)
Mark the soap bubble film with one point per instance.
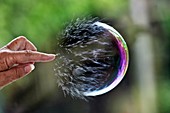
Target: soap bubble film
point(92, 58)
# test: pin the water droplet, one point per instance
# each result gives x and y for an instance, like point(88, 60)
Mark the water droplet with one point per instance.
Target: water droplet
point(92, 59)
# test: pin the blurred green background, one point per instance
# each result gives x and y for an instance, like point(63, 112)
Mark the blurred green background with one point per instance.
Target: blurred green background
point(144, 24)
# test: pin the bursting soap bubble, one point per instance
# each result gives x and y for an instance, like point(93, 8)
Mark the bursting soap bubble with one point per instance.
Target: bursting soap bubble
point(92, 59)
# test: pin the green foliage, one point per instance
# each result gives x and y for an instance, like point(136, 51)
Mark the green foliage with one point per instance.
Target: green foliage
point(41, 21)
point(163, 97)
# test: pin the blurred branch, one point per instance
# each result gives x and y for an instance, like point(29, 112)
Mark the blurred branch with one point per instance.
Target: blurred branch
point(144, 61)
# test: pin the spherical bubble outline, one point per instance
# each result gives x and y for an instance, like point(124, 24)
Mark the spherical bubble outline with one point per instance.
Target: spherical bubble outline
point(124, 61)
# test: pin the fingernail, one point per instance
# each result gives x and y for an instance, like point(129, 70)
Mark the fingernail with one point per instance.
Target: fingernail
point(52, 55)
point(29, 68)
point(49, 57)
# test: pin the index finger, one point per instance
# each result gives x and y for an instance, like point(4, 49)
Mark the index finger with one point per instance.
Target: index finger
point(31, 56)
point(21, 57)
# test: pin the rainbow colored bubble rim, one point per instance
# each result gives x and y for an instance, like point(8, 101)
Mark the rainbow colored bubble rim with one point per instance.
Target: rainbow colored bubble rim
point(123, 62)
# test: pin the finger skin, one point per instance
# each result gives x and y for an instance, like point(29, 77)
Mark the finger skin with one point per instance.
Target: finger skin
point(15, 73)
point(17, 59)
point(31, 56)
point(21, 43)
point(10, 58)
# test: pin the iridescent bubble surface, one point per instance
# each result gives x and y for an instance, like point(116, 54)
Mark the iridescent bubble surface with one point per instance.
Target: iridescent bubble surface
point(92, 59)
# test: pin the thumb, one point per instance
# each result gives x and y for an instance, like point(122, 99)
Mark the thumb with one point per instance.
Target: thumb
point(15, 73)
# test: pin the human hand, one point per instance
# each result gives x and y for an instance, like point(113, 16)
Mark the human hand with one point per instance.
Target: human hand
point(17, 59)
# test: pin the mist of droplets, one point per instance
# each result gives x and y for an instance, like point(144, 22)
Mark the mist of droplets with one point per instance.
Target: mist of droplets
point(92, 58)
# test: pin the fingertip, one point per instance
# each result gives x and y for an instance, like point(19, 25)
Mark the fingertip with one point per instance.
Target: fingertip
point(22, 37)
point(29, 68)
point(32, 67)
point(52, 56)
point(28, 45)
point(48, 57)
